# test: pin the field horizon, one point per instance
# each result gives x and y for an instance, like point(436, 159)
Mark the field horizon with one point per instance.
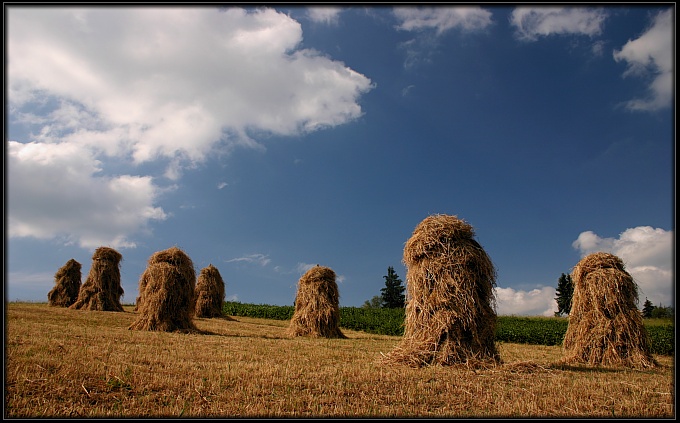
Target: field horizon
point(74, 363)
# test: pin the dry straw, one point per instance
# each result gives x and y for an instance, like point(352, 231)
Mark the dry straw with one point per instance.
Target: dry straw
point(450, 308)
point(102, 290)
point(166, 293)
point(209, 293)
point(605, 325)
point(66, 285)
point(317, 311)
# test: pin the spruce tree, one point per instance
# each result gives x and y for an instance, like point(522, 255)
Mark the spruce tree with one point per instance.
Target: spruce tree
point(647, 308)
point(564, 291)
point(393, 292)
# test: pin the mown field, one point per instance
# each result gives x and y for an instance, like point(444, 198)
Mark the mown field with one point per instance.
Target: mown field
point(73, 363)
point(515, 329)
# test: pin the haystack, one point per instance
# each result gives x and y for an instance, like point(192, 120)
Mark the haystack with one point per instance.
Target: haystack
point(102, 290)
point(605, 326)
point(209, 293)
point(66, 285)
point(166, 293)
point(317, 310)
point(450, 308)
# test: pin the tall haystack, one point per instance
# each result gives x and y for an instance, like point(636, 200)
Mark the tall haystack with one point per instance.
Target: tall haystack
point(166, 293)
point(102, 290)
point(605, 325)
point(66, 285)
point(317, 310)
point(450, 309)
point(209, 293)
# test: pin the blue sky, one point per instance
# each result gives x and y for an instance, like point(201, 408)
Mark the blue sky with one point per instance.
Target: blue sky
point(265, 141)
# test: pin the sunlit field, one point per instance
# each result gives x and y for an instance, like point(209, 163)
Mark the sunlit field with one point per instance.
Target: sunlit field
point(73, 363)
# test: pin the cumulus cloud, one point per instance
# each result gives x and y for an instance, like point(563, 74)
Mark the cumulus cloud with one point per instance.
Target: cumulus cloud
point(537, 302)
point(531, 23)
point(259, 259)
point(57, 191)
point(652, 54)
point(325, 15)
point(136, 85)
point(647, 254)
point(442, 19)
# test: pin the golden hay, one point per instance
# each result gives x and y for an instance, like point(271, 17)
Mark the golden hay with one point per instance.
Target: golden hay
point(605, 326)
point(166, 293)
point(66, 285)
point(102, 290)
point(450, 308)
point(317, 311)
point(209, 293)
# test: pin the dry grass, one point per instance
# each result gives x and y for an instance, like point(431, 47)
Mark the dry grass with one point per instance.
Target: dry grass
point(209, 292)
point(102, 290)
point(317, 309)
point(605, 324)
point(73, 363)
point(167, 298)
point(66, 285)
point(450, 316)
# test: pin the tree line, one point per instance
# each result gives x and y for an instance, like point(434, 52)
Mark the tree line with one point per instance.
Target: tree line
point(392, 296)
point(565, 292)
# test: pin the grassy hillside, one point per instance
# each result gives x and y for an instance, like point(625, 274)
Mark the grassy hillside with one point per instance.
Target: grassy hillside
point(73, 363)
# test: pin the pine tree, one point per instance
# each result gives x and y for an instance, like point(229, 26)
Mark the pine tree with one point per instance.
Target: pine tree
point(564, 291)
point(647, 309)
point(393, 292)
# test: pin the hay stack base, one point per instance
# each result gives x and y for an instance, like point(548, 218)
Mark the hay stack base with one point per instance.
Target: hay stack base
point(102, 290)
point(209, 293)
point(166, 293)
point(317, 311)
point(67, 282)
point(605, 326)
point(450, 316)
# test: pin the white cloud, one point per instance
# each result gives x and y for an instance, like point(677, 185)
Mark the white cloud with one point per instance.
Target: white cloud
point(647, 254)
point(432, 22)
point(442, 19)
point(175, 82)
point(304, 267)
point(222, 185)
point(259, 259)
point(135, 85)
point(55, 191)
point(326, 15)
point(537, 302)
point(530, 23)
point(652, 54)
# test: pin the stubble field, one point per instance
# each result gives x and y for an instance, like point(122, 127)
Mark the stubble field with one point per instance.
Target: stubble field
point(74, 363)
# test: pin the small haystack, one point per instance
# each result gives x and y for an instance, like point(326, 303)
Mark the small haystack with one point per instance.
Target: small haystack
point(166, 293)
point(317, 310)
point(66, 285)
point(450, 308)
point(102, 290)
point(605, 325)
point(209, 293)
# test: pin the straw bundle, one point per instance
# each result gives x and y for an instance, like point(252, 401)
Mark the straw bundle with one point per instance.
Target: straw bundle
point(605, 325)
point(450, 309)
point(209, 293)
point(66, 285)
point(317, 311)
point(102, 290)
point(166, 293)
